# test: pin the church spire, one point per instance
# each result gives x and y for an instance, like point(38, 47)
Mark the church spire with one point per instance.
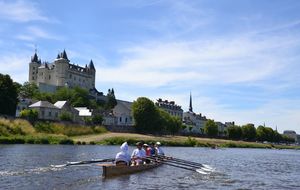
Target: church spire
point(191, 106)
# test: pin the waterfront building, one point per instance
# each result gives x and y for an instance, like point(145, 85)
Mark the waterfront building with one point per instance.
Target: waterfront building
point(49, 111)
point(195, 122)
point(123, 113)
point(292, 134)
point(170, 107)
point(61, 72)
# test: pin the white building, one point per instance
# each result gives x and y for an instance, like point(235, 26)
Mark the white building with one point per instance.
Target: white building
point(59, 73)
point(170, 107)
point(49, 111)
point(123, 113)
point(46, 110)
point(194, 122)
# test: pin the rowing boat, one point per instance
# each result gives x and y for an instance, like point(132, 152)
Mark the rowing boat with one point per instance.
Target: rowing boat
point(110, 170)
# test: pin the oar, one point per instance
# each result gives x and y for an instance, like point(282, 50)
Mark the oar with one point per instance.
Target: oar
point(166, 161)
point(177, 166)
point(83, 162)
point(186, 161)
point(182, 163)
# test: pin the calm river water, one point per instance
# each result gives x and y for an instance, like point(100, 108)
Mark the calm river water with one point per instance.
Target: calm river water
point(28, 167)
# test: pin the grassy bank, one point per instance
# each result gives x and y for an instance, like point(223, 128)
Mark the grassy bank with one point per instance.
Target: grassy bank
point(119, 138)
point(19, 131)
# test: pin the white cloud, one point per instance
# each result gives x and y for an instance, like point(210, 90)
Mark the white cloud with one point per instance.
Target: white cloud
point(33, 32)
point(21, 11)
point(15, 65)
point(225, 61)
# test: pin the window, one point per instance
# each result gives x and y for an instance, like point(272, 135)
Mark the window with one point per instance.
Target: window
point(43, 113)
point(56, 114)
point(120, 119)
point(33, 68)
point(33, 73)
point(70, 76)
point(49, 77)
point(32, 77)
point(126, 120)
point(50, 113)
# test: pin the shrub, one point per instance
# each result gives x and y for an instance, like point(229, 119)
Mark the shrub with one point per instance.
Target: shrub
point(65, 116)
point(66, 141)
point(99, 129)
point(30, 114)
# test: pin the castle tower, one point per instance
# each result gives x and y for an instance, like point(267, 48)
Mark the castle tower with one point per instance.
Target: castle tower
point(33, 68)
point(191, 106)
point(92, 70)
point(62, 65)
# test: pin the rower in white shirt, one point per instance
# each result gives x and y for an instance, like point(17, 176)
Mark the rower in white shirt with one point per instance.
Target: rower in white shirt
point(123, 157)
point(138, 154)
point(159, 150)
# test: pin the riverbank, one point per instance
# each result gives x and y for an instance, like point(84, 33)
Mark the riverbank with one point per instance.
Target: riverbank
point(118, 138)
point(20, 131)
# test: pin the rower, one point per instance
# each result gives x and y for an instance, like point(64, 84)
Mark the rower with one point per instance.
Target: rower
point(159, 150)
point(138, 154)
point(147, 149)
point(152, 149)
point(123, 157)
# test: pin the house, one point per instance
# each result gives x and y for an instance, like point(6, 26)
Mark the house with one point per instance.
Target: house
point(23, 104)
point(49, 111)
point(195, 122)
point(84, 112)
point(46, 110)
point(109, 119)
point(122, 112)
point(65, 107)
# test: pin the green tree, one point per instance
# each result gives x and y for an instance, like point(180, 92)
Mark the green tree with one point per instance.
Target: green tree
point(30, 114)
point(265, 134)
point(169, 123)
point(248, 132)
point(29, 90)
point(111, 99)
point(78, 97)
point(8, 95)
point(97, 119)
point(146, 116)
point(65, 116)
point(234, 132)
point(211, 128)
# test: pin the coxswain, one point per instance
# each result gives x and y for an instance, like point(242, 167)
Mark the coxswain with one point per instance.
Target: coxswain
point(138, 155)
point(123, 157)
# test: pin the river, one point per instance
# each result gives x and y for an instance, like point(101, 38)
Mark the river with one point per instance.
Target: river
point(28, 167)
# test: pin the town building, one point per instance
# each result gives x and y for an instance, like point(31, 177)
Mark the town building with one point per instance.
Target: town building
point(195, 122)
point(60, 73)
point(123, 113)
point(292, 134)
point(170, 107)
point(49, 111)
point(23, 104)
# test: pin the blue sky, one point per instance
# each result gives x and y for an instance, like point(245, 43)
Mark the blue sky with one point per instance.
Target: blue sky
point(240, 59)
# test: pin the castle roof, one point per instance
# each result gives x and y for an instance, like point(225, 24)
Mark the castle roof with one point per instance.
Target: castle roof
point(64, 55)
point(35, 58)
point(91, 65)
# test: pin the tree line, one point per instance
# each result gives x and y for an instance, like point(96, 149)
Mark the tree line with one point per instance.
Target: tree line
point(248, 133)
